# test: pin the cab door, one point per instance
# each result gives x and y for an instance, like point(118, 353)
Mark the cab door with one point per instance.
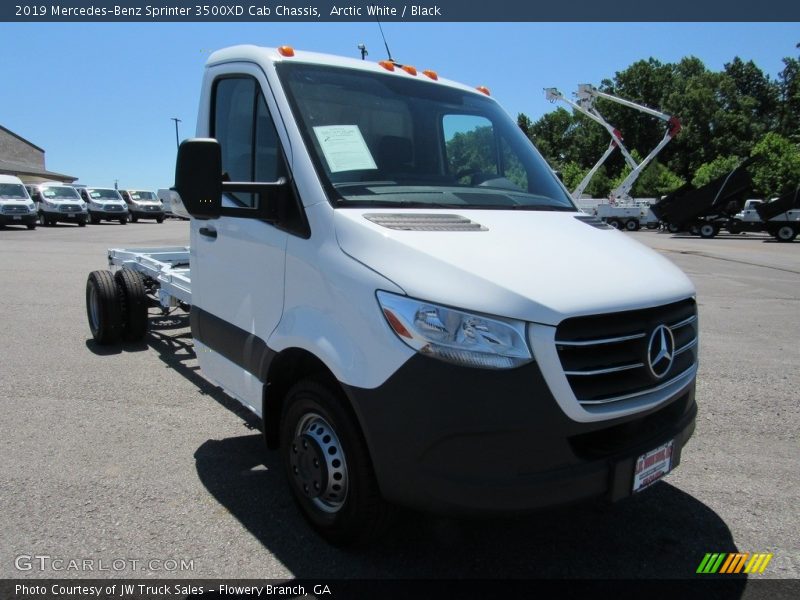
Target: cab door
point(237, 264)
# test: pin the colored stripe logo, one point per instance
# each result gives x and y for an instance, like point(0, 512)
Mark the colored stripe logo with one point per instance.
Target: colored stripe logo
point(734, 562)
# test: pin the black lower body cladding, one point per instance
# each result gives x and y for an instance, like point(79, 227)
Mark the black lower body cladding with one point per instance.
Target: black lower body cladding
point(450, 439)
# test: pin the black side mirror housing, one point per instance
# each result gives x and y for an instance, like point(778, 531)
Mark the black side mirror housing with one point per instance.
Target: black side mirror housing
point(198, 177)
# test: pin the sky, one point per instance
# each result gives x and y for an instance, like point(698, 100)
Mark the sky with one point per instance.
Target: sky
point(99, 97)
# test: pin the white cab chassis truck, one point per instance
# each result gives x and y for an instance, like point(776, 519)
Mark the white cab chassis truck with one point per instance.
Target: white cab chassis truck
point(386, 272)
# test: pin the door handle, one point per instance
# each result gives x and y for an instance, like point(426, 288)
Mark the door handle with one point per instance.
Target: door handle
point(208, 232)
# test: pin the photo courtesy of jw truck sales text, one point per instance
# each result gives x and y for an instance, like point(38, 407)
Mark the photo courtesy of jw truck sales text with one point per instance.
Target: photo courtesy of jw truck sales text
point(379, 266)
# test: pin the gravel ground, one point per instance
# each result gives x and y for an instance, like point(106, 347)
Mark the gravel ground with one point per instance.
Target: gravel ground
point(128, 453)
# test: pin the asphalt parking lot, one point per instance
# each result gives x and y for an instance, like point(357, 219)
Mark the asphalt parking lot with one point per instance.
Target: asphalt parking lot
point(129, 454)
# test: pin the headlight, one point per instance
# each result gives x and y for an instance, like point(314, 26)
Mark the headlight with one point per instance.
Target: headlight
point(32, 207)
point(455, 336)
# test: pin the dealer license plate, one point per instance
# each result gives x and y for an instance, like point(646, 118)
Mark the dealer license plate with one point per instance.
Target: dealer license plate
point(71, 215)
point(17, 218)
point(652, 466)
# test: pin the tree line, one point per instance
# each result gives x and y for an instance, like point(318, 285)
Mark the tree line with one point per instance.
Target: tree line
point(726, 116)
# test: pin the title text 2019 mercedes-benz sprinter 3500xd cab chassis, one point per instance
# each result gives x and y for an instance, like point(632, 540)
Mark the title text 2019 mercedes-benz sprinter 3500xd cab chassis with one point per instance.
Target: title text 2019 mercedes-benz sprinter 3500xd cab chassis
point(385, 270)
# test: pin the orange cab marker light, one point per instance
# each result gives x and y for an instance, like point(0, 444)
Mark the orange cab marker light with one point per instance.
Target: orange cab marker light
point(386, 64)
point(483, 89)
point(409, 69)
point(286, 51)
point(431, 74)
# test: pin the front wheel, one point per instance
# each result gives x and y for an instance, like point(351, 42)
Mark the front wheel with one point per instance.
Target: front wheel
point(328, 466)
point(673, 228)
point(614, 223)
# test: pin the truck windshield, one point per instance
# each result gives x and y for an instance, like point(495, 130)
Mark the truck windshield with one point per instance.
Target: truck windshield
point(394, 140)
point(104, 195)
point(59, 193)
point(143, 196)
point(12, 191)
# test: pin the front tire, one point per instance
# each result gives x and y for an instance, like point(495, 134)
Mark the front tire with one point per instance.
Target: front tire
point(103, 307)
point(614, 223)
point(328, 467)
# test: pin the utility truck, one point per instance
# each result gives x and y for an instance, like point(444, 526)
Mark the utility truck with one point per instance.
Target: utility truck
point(622, 212)
point(385, 271)
point(780, 217)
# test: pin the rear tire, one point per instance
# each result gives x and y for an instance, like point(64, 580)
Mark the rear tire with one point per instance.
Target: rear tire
point(673, 228)
point(328, 467)
point(123, 221)
point(134, 218)
point(707, 230)
point(95, 220)
point(31, 225)
point(159, 219)
point(614, 223)
point(632, 225)
point(82, 223)
point(103, 307)
point(134, 304)
point(785, 233)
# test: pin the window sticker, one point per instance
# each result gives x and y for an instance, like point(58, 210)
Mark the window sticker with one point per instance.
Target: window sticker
point(344, 148)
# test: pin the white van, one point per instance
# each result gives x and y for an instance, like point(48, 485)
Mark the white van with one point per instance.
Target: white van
point(388, 273)
point(59, 203)
point(104, 204)
point(16, 206)
point(143, 204)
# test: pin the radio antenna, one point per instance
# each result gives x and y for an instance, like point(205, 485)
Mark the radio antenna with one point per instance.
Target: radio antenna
point(388, 52)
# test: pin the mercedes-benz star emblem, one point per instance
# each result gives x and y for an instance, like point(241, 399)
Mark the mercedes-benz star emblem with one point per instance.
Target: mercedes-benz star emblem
point(660, 351)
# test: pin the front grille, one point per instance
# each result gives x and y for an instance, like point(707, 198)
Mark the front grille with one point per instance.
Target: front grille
point(113, 207)
point(16, 210)
point(70, 208)
point(607, 358)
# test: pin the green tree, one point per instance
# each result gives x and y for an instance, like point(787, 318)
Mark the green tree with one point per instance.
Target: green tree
point(778, 170)
point(708, 172)
point(789, 91)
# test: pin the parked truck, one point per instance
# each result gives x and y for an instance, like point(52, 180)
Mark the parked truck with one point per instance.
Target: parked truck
point(705, 210)
point(779, 217)
point(385, 271)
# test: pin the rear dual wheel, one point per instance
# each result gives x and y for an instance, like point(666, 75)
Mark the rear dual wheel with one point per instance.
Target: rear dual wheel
point(116, 306)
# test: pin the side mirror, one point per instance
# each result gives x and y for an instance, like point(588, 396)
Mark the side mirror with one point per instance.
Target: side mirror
point(198, 177)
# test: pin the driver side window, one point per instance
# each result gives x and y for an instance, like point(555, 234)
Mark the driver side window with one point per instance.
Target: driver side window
point(248, 140)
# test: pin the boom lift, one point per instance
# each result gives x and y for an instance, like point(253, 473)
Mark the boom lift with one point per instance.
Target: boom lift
point(587, 94)
point(553, 95)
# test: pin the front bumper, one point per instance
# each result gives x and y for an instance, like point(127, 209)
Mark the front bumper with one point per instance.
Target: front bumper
point(449, 439)
point(141, 213)
point(109, 215)
point(18, 219)
point(64, 217)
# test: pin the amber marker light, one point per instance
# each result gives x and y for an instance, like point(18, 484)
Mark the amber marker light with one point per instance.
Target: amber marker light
point(431, 74)
point(410, 70)
point(386, 64)
point(286, 51)
point(483, 90)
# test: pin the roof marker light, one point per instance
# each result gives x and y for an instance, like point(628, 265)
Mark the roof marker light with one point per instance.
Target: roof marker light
point(386, 64)
point(410, 70)
point(484, 90)
point(286, 51)
point(431, 74)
